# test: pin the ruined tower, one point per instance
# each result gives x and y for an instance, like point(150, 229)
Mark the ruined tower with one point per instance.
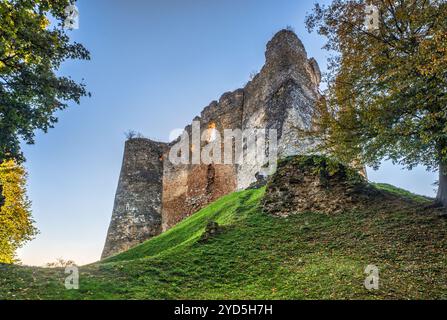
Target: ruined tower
point(281, 96)
point(137, 210)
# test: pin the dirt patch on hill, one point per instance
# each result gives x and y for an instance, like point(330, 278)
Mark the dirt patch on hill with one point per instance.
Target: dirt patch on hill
point(317, 184)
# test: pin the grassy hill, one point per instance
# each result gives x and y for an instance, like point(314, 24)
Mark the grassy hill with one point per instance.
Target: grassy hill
point(256, 256)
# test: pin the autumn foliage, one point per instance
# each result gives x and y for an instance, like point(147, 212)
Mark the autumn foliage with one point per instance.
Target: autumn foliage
point(16, 225)
point(387, 85)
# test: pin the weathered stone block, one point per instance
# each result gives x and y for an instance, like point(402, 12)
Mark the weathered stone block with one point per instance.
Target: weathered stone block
point(316, 184)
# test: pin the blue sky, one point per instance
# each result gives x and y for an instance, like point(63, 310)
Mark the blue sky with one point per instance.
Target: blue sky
point(155, 65)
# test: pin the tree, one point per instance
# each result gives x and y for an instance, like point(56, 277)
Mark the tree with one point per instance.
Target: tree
point(386, 96)
point(132, 134)
point(61, 263)
point(16, 225)
point(31, 51)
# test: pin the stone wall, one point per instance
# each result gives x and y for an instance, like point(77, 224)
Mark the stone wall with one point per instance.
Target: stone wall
point(137, 210)
point(281, 96)
point(188, 188)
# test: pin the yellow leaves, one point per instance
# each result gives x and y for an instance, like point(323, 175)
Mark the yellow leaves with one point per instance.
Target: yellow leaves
point(44, 23)
point(15, 215)
point(433, 54)
point(10, 172)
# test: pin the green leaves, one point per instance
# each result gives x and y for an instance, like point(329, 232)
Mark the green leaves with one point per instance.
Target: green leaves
point(31, 51)
point(16, 225)
point(387, 89)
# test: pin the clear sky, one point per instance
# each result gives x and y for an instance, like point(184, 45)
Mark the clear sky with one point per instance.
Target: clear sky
point(155, 65)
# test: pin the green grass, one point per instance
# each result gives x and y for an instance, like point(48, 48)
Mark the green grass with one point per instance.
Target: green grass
point(401, 192)
point(305, 256)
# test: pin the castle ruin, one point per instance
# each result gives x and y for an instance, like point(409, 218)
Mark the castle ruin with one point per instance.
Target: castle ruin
point(154, 194)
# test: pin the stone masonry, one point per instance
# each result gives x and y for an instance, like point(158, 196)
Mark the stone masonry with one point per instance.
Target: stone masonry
point(154, 194)
point(136, 213)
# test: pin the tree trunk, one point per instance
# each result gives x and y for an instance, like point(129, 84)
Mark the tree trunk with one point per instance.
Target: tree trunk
point(441, 198)
point(2, 200)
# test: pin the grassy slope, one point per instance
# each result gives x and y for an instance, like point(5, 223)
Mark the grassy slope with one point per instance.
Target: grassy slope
point(257, 256)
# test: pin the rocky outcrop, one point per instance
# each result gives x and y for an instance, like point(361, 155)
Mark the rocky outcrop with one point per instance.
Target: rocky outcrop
point(212, 229)
point(315, 184)
point(261, 181)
